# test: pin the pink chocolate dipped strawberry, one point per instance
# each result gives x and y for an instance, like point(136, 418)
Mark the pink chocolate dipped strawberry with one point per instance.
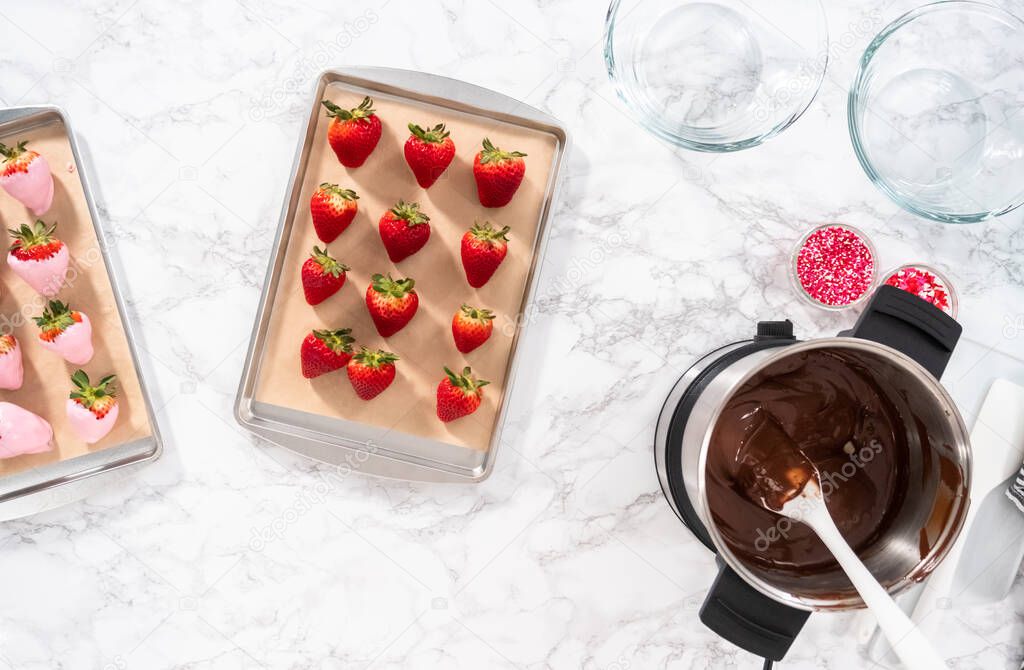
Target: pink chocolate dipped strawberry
point(39, 258)
point(22, 432)
point(92, 410)
point(12, 372)
point(26, 176)
point(66, 332)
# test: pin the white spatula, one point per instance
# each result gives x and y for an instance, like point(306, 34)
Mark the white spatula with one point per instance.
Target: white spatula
point(985, 559)
point(913, 649)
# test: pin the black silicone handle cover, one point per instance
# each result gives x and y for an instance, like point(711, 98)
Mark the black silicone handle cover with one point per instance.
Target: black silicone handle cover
point(749, 619)
point(911, 325)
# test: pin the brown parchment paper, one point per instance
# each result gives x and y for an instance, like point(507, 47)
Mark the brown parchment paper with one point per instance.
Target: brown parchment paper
point(424, 346)
point(47, 376)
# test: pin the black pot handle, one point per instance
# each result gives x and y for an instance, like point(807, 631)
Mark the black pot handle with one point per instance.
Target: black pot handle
point(749, 619)
point(911, 325)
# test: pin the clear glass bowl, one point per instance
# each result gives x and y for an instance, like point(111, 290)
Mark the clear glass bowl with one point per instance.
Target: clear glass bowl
point(794, 273)
point(933, 111)
point(718, 75)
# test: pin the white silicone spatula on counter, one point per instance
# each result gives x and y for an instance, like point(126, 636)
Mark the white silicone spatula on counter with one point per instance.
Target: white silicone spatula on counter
point(982, 564)
point(912, 647)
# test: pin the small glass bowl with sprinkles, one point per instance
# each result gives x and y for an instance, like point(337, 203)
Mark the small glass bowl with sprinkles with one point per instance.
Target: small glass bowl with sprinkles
point(926, 283)
point(834, 266)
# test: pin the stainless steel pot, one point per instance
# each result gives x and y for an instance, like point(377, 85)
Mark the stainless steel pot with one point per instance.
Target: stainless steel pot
point(894, 559)
point(905, 343)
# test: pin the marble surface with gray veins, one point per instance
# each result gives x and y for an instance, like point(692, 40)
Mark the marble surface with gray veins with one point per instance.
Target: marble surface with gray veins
point(232, 553)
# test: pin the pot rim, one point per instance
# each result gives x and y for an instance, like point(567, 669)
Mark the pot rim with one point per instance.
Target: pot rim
point(926, 564)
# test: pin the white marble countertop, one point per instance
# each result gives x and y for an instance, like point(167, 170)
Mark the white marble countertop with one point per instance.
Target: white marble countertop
point(229, 553)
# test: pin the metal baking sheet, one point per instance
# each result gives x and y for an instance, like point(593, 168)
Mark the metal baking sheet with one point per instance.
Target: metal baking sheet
point(72, 469)
point(315, 417)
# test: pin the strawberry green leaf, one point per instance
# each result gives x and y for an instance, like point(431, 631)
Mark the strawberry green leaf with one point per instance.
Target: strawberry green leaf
point(363, 111)
point(334, 189)
point(410, 213)
point(329, 264)
point(492, 154)
point(482, 315)
point(396, 288)
point(336, 340)
point(486, 232)
point(374, 358)
point(434, 135)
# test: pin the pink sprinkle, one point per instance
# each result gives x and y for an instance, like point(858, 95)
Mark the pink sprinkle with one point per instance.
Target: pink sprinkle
point(924, 284)
point(835, 266)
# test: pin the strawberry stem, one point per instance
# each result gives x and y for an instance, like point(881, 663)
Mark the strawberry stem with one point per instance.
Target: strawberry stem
point(29, 238)
point(492, 154)
point(410, 213)
point(364, 111)
point(482, 315)
point(434, 135)
point(466, 382)
point(487, 233)
point(329, 264)
point(334, 189)
point(396, 288)
point(10, 153)
point(88, 395)
point(56, 316)
point(336, 340)
point(374, 358)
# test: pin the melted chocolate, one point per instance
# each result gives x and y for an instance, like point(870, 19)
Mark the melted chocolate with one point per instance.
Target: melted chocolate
point(819, 408)
point(772, 468)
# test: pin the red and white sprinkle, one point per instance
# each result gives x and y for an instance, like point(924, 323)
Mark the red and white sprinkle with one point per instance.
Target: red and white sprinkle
point(835, 266)
point(925, 284)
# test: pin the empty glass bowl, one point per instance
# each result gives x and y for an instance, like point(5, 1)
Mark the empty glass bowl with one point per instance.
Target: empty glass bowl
point(933, 112)
point(718, 75)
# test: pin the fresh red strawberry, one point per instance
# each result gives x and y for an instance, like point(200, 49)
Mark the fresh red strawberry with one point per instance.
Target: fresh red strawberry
point(371, 372)
point(324, 351)
point(483, 250)
point(322, 276)
point(428, 153)
point(404, 229)
point(458, 395)
point(353, 133)
point(471, 327)
point(498, 174)
point(392, 303)
point(332, 209)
